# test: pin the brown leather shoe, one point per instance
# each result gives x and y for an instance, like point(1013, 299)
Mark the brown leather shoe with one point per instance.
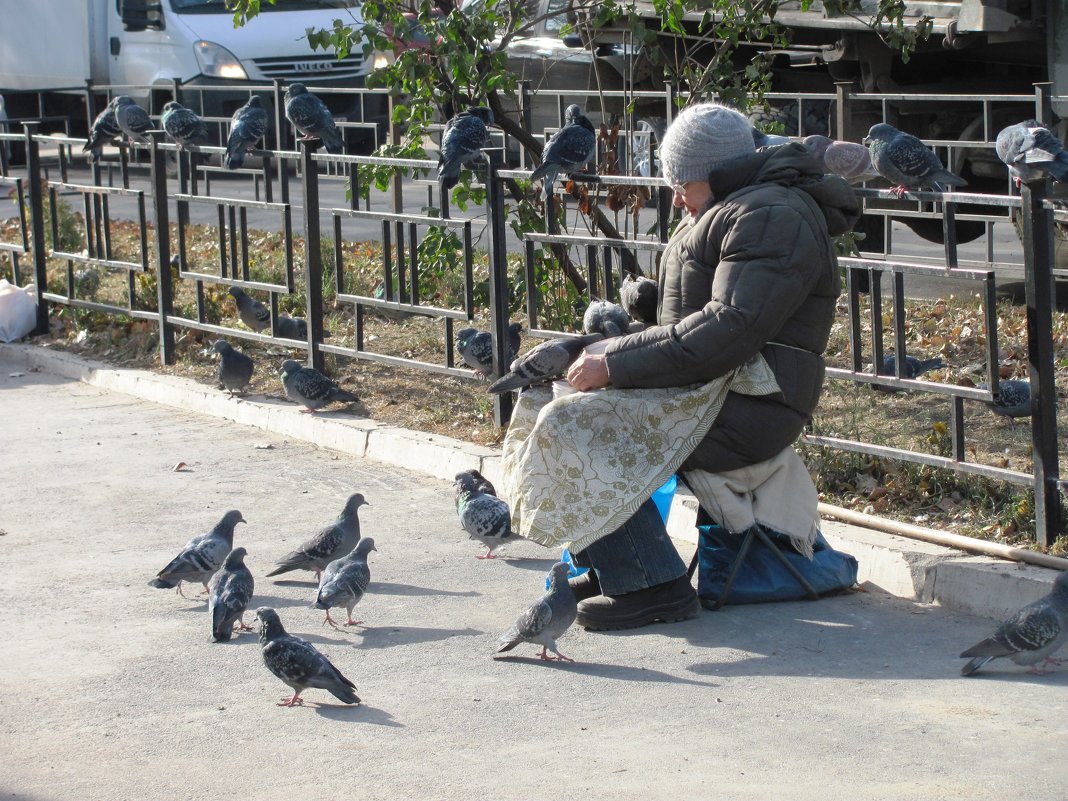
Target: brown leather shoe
point(585, 586)
point(665, 603)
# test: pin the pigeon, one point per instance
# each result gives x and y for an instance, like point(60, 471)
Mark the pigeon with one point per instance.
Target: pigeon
point(913, 368)
point(1030, 636)
point(906, 162)
point(308, 386)
point(605, 318)
point(87, 281)
point(312, 118)
point(548, 360)
point(252, 313)
point(293, 327)
point(1014, 400)
point(328, 543)
point(1031, 152)
point(298, 663)
point(461, 143)
point(200, 557)
point(761, 139)
point(547, 620)
point(481, 483)
point(344, 582)
point(235, 368)
point(567, 149)
point(848, 160)
point(483, 515)
point(132, 119)
point(476, 348)
point(640, 296)
point(247, 127)
point(183, 125)
point(104, 128)
point(230, 591)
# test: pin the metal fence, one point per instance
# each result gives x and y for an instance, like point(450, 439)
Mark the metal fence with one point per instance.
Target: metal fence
point(165, 190)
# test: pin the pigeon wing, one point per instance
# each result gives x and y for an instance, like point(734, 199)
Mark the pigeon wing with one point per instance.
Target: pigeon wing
point(527, 626)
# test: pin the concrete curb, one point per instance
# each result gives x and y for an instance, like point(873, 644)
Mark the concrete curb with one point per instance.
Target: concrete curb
point(903, 567)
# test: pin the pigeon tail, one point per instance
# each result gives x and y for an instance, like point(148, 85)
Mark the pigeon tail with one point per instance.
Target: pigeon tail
point(162, 584)
point(344, 693)
point(293, 562)
point(926, 365)
point(974, 665)
point(1058, 169)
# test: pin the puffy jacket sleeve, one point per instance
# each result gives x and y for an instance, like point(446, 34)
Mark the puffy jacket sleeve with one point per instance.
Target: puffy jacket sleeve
point(768, 261)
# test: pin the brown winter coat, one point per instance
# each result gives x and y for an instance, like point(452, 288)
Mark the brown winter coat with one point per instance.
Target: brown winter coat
point(756, 273)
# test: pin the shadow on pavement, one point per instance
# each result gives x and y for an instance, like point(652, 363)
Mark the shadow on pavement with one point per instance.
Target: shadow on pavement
point(391, 588)
point(390, 636)
point(604, 670)
point(358, 714)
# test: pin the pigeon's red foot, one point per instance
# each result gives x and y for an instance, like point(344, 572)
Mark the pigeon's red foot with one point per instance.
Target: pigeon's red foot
point(351, 622)
point(242, 627)
point(487, 555)
point(544, 655)
point(899, 191)
point(307, 411)
point(296, 700)
point(329, 620)
point(1035, 670)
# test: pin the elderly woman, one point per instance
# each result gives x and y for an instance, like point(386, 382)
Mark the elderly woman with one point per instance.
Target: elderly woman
point(750, 270)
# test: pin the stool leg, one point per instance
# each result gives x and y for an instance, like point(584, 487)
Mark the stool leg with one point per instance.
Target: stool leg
point(743, 549)
point(812, 594)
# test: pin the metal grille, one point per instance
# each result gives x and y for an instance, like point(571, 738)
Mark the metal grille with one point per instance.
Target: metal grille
point(311, 68)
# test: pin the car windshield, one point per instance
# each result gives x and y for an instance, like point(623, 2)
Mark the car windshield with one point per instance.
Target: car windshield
point(219, 6)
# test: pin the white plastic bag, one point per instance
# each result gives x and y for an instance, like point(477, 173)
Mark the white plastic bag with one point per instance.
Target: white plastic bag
point(18, 310)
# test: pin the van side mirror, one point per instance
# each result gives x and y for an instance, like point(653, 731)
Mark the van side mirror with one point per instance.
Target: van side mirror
point(139, 15)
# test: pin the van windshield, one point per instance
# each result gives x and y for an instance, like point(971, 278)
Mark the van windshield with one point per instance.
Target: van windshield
point(219, 6)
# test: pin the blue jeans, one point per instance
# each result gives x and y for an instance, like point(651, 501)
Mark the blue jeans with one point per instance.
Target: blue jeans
point(635, 556)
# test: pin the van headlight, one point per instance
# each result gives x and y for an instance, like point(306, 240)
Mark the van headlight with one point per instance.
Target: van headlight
point(217, 62)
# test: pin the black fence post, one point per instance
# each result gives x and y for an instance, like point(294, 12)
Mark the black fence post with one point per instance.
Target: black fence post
point(313, 257)
point(164, 289)
point(498, 284)
point(37, 226)
point(1039, 288)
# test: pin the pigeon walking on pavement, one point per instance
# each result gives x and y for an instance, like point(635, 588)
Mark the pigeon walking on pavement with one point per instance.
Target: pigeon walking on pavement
point(1031, 152)
point(548, 360)
point(476, 348)
point(312, 118)
point(308, 386)
point(568, 149)
point(906, 162)
point(132, 119)
point(327, 544)
point(913, 369)
point(605, 318)
point(201, 556)
point(482, 515)
point(481, 483)
point(230, 591)
point(104, 128)
point(1030, 636)
point(461, 143)
point(252, 313)
point(183, 125)
point(344, 582)
point(545, 621)
point(640, 296)
point(298, 663)
point(235, 368)
point(247, 127)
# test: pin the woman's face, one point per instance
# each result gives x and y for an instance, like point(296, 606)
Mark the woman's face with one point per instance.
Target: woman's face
point(694, 196)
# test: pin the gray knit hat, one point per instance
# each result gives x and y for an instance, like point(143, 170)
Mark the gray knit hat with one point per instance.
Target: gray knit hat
point(702, 138)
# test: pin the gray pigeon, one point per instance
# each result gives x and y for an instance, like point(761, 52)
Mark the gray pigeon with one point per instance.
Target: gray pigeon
point(913, 369)
point(1014, 400)
point(183, 125)
point(461, 143)
point(906, 162)
point(201, 556)
point(308, 386)
point(1031, 635)
point(548, 360)
point(230, 591)
point(104, 128)
point(848, 160)
point(328, 543)
point(640, 296)
point(481, 483)
point(247, 127)
point(761, 139)
point(235, 368)
point(292, 327)
point(547, 620)
point(132, 119)
point(252, 313)
point(87, 281)
point(344, 582)
point(476, 348)
point(605, 318)
point(1031, 152)
point(483, 515)
point(312, 118)
point(567, 149)
point(298, 663)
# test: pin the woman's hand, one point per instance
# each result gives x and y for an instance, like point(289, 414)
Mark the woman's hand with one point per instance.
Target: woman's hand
point(590, 370)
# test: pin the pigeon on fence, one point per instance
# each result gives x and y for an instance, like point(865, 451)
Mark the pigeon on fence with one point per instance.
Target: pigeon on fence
point(482, 515)
point(546, 361)
point(845, 159)
point(132, 119)
point(298, 663)
point(568, 149)
point(476, 348)
point(1030, 636)
point(906, 162)
point(605, 318)
point(230, 591)
point(547, 620)
point(235, 368)
point(344, 582)
point(640, 296)
point(308, 386)
point(1031, 152)
point(312, 118)
point(328, 543)
point(1014, 399)
point(247, 127)
point(252, 313)
point(201, 556)
point(104, 128)
point(461, 143)
point(913, 368)
point(183, 125)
